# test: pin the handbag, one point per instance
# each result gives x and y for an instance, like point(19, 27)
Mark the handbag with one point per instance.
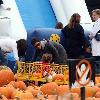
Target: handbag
point(97, 36)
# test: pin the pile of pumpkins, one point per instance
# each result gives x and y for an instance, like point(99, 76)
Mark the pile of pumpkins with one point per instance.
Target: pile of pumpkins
point(17, 90)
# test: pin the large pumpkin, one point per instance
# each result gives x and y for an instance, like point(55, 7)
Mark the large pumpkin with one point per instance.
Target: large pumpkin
point(62, 89)
point(6, 76)
point(49, 88)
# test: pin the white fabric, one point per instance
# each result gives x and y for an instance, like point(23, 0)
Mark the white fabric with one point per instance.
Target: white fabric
point(59, 11)
point(9, 45)
point(5, 26)
point(95, 44)
point(18, 30)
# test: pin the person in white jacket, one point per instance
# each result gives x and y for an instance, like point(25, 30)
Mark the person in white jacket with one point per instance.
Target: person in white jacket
point(95, 29)
point(18, 48)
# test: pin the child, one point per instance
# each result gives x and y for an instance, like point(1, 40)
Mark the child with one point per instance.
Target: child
point(46, 59)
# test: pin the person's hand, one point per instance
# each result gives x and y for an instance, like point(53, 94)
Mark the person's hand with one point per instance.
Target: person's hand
point(88, 50)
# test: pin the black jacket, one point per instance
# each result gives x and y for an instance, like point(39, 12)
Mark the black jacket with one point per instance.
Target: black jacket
point(1, 2)
point(75, 40)
point(57, 51)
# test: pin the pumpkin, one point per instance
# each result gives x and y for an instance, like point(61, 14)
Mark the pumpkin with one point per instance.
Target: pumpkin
point(12, 83)
point(6, 91)
point(90, 91)
point(20, 84)
point(97, 95)
point(98, 84)
point(32, 90)
point(75, 90)
point(22, 95)
point(2, 97)
point(6, 76)
point(59, 77)
point(49, 88)
point(96, 88)
point(62, 89)
point(97, 80)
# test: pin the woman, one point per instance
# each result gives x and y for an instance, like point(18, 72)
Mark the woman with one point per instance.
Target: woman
point(75, 40)
point(95, 29)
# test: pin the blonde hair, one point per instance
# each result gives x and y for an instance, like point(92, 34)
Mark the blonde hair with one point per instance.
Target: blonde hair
point(97, 11)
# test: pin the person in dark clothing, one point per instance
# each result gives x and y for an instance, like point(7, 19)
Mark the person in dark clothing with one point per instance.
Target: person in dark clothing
point(59, 25)
point(22, 47)
point(59, 55)
point(1, 2)
point(75, 40)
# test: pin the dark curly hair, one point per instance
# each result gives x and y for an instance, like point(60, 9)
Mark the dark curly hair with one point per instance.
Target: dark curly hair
point(34, 40)
point(21, 46)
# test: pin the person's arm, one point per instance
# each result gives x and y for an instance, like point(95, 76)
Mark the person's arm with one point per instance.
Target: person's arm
point(15, 52)
point(83, 39)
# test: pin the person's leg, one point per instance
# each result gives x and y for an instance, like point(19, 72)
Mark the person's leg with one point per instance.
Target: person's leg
point(3, 60)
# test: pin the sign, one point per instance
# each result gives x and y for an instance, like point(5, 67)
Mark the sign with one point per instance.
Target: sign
point(83, 72)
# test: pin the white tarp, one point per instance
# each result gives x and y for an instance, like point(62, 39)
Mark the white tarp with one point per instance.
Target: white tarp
point(17, 27)
point(68, 7)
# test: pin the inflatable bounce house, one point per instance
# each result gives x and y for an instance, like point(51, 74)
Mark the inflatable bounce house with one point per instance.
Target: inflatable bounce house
point(78, 79)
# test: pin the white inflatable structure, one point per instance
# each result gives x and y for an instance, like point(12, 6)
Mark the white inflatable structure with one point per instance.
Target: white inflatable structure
point(59, 11)
point(63, 9)
point(13, 25)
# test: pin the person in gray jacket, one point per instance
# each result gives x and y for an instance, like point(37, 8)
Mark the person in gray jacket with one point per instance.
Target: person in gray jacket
point(57, 50)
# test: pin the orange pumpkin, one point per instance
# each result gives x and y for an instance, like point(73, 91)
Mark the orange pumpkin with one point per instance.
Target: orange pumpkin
point(6, 76)
point(90, 91)
point(97, 95)
point(49, 88)
point(97, 80)
point(62, 89)
point(2, 97)
point(23, 95)
point(32, 90)
point(6, 91)
point(59, 77)
point(75, 90)
point(20, 84)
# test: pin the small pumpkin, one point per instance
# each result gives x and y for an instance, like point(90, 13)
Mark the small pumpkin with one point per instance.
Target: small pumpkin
point(20, 84)
point(59, 77)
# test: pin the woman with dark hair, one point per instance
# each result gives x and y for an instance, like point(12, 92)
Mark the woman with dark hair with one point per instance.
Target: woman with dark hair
point(75, 40)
